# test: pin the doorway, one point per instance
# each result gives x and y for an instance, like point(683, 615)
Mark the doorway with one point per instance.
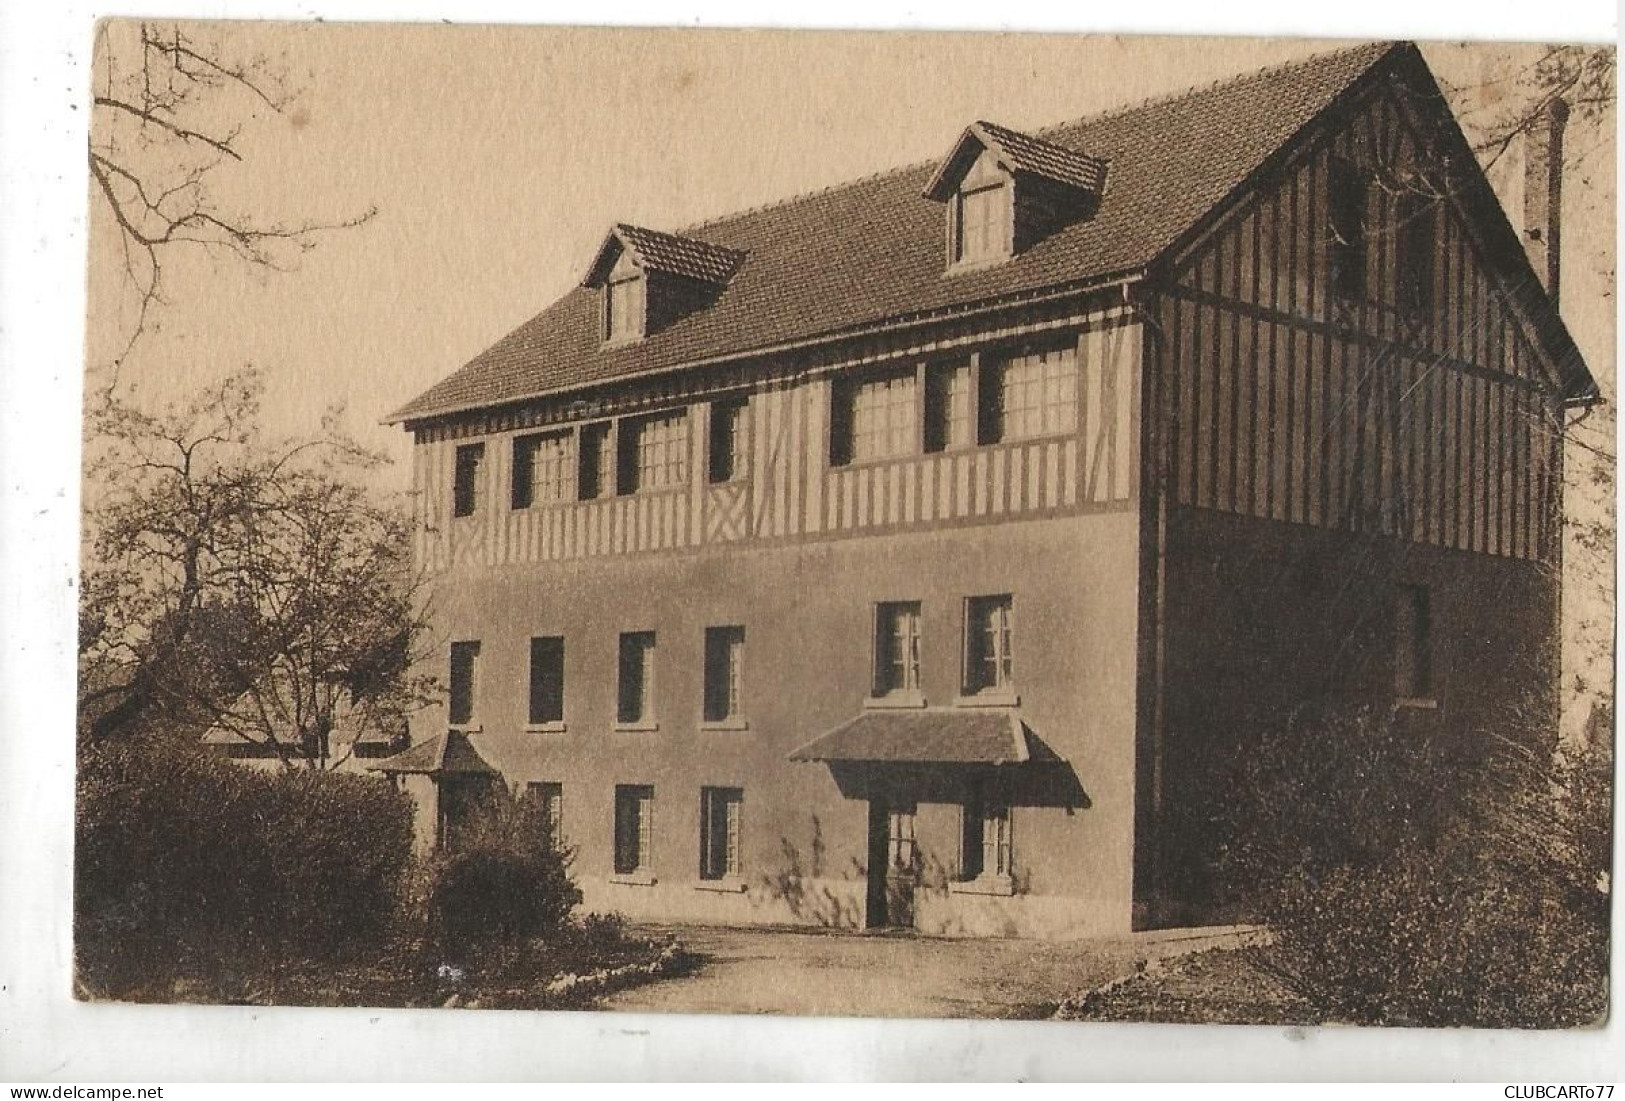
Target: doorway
point(889, 895)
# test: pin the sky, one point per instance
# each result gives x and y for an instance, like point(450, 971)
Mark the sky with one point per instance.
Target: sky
point(497, 158)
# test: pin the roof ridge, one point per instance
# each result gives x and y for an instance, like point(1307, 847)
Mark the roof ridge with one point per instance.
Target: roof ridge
point(1163, 98)
point(1044, 132)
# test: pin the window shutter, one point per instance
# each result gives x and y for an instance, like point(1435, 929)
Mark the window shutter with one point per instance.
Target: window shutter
point(731, 861)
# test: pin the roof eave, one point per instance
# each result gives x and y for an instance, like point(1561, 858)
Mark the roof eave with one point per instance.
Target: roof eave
point(1126, 278)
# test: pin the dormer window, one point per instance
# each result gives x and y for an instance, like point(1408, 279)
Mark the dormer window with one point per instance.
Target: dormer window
point(984, 224)
point(623, 309)
point(1006, 191)
point(648, 281)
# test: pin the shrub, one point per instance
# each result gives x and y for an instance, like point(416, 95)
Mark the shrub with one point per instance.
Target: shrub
point(186, 865)
point(506, 883)
point(1407, 885)
point(342, 845)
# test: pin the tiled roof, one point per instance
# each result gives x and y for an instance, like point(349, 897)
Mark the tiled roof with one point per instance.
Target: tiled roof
point(945, 735)
point(871, 251)
point(676, 255)
point(1045, 158)
point(448, 753)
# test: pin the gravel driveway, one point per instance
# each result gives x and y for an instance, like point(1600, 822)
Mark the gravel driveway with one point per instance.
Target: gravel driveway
point(877, 975)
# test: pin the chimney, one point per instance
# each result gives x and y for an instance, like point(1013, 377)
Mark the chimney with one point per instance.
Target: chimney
point(1543, 192)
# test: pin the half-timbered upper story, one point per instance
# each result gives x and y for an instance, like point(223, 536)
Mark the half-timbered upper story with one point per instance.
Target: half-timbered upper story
point(1292, 296)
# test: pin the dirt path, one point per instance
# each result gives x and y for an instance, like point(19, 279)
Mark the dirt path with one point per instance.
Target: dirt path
point(856, 975)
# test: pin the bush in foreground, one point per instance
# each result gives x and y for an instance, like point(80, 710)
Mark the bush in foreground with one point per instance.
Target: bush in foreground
point(1406, 887)
point(188, 867)
point(506, 883)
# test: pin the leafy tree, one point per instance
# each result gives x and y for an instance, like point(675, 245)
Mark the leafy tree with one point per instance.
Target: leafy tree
point(240, 582)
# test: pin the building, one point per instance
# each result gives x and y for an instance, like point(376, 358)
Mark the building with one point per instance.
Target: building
point(907, 553)
point(260, 730)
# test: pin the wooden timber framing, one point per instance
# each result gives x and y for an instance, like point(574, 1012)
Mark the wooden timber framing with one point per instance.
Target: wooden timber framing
point(788, 489)
point(1287, 400)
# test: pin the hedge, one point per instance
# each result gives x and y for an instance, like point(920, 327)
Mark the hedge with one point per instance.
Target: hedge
point(186, 864)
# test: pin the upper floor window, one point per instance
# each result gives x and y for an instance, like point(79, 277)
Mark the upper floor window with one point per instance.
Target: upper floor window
point(465, 485)
point(989, 649)
point(623, 308)
point(541, 469)
point(1029, 395)
point(594, 461)
point(726, 460)
point(460, 706)
point(947, 406)
point(897, 648)
point(1414, 252)
point(982, 224)
point(546, 681)
point(635, 693)
point(1348, 188)
point(653, 452)
point(874, 418)
point(724, 673)
point(1413, 643)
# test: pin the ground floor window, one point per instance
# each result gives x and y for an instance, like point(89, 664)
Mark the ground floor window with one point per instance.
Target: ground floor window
point(548, 802)
point(985, 845)
point(634, 819)
point(720, 810)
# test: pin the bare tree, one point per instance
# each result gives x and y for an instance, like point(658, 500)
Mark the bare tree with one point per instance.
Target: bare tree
point(1514, 107)
point(244, 584)
point(168, 111)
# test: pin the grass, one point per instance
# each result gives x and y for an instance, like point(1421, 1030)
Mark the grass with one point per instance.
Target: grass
point(1219, 986)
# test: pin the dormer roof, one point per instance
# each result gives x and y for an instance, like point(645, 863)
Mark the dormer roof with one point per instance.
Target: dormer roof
point(1016, 153)
point(653, 250)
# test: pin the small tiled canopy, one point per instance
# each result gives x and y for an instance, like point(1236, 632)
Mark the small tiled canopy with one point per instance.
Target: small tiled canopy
point(448, 754)
point(956, 735)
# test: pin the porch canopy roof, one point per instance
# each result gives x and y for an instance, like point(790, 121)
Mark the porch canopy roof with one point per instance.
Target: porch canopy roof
point(451, 753)
point(930, 735)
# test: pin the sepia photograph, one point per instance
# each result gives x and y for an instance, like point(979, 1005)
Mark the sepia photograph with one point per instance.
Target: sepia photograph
point(847, 524)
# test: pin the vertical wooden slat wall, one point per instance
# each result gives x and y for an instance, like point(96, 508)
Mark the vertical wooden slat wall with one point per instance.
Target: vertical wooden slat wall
point(1288, 401)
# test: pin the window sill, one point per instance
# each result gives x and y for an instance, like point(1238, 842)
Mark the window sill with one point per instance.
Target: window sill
point(907, 700)
point(556, 727)
point(634, 879)
point(724, 724)
point(989, 699)
point(999, 885)
point(637, 727)
point(465, 728)
point(727, 885)
point(1416, 703)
